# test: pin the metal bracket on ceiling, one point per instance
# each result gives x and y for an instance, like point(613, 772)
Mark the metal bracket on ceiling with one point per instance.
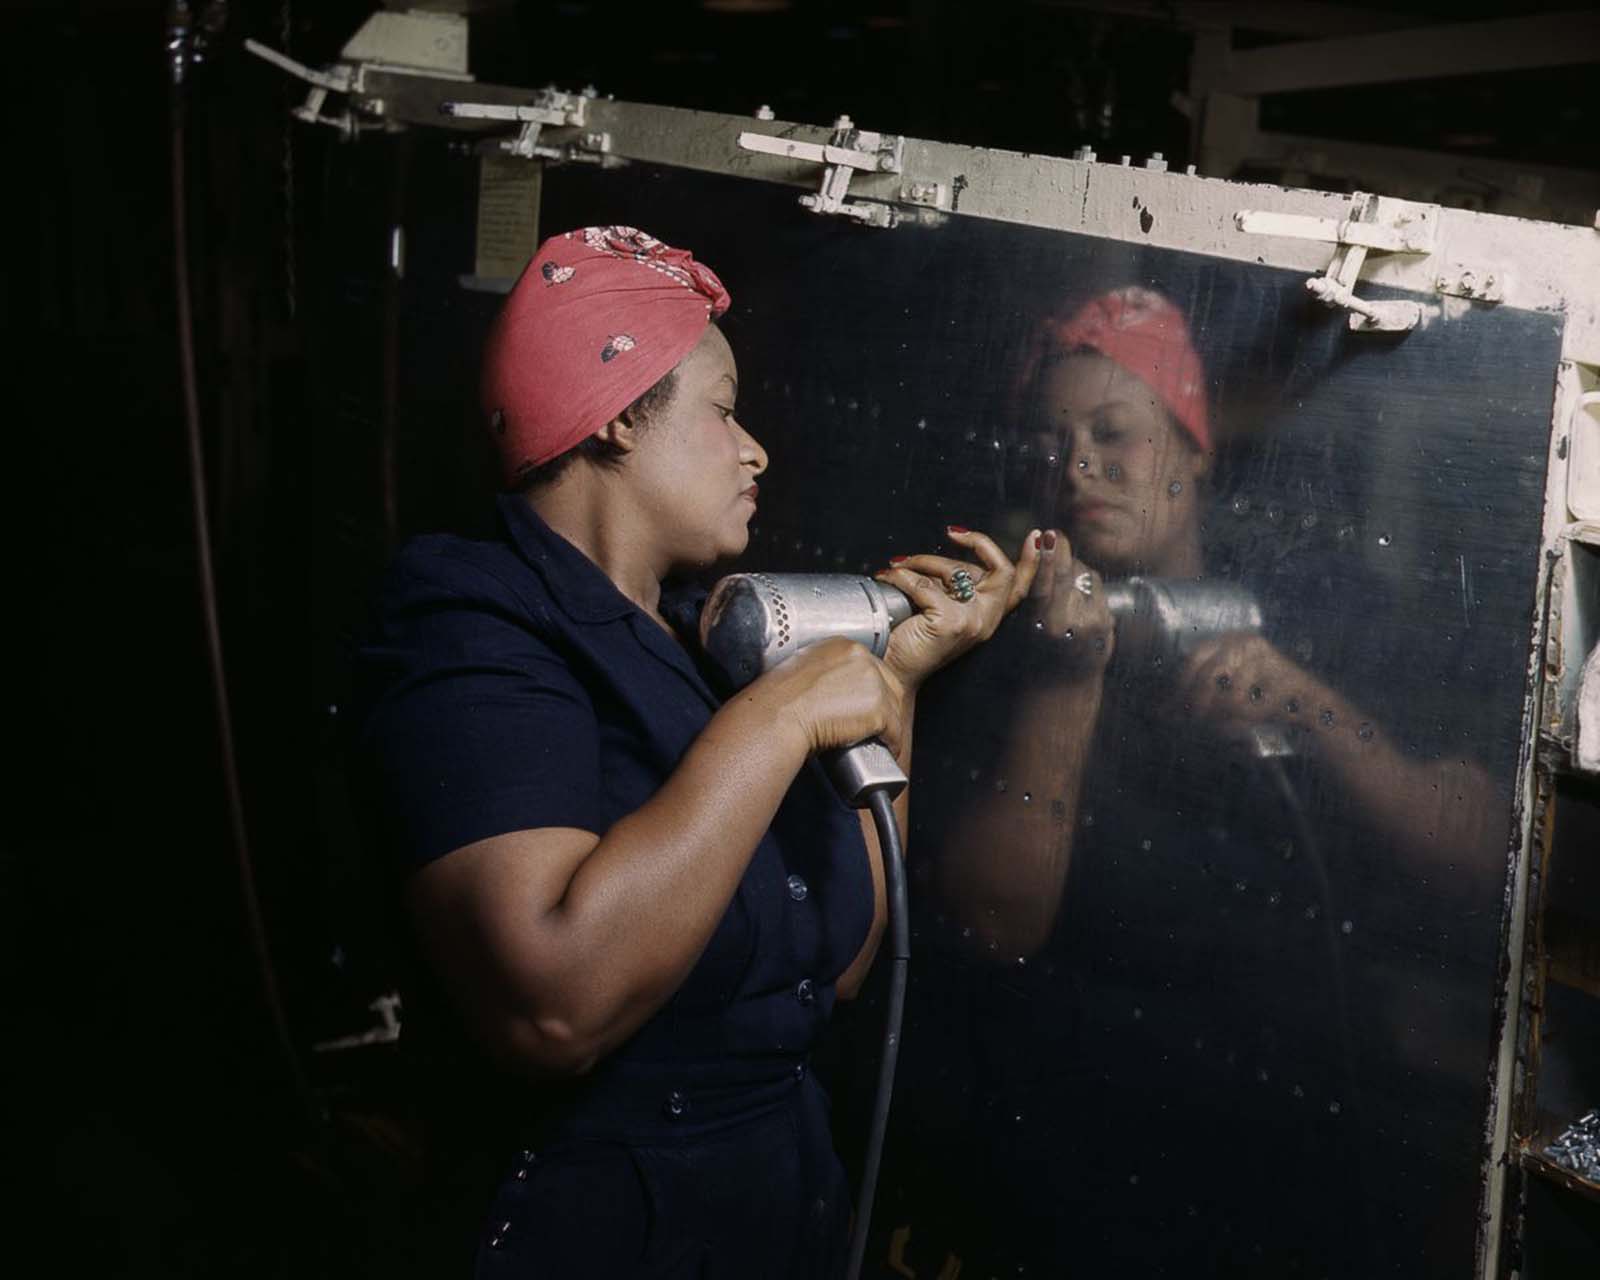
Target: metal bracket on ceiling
point(553, 108)
point(848, 151)
point(341, 77)
point(429, 46)
point(1388, 226)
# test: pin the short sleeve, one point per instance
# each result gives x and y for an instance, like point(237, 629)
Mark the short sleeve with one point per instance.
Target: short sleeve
point(471, 724)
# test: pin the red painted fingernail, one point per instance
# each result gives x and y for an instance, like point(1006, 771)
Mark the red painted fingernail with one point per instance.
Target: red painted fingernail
point(957, 528)
point(1050, 541)
point(898, 559)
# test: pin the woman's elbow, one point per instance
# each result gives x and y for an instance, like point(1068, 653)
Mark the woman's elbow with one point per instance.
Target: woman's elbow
point(542, 1045)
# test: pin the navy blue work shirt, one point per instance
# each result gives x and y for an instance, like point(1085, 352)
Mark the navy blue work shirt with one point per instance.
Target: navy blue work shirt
point(508, 686)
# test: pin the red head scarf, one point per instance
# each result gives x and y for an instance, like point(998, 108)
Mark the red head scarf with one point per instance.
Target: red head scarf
point(1145, 334)
point(598, 317)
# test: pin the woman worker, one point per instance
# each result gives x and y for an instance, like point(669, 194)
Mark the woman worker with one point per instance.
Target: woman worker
point(638, 901)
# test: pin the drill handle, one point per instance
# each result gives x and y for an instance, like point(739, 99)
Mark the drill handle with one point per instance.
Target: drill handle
point(856, 772)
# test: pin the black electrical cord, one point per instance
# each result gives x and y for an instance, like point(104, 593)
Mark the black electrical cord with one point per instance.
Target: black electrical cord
point(894, 879)
point(255, 930)
point(1311, 853)
point(1305, 839)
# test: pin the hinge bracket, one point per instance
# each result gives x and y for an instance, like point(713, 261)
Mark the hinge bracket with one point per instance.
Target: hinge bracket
point(430, 46)
point(848, 151)
point(553, 108)
point(341, 77)
point(1373, 223)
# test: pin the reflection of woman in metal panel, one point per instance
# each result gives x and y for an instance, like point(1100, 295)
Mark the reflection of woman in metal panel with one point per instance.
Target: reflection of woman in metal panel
point(635, 902)
point(1117, 406)
point(1153, 1041)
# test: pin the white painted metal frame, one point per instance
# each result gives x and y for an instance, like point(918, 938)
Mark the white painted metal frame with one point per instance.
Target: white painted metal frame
point(1539, 265)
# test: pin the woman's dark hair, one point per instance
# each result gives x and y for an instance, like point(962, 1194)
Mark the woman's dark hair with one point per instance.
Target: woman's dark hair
point(655, 399)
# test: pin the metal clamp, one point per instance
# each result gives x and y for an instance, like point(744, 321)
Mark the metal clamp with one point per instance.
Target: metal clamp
point(342, 78)
point(554, 108)
point(1390, 226)
point(850, 149)
point(417, 45)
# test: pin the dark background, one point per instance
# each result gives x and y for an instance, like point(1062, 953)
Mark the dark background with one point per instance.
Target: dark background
point(158, 1126)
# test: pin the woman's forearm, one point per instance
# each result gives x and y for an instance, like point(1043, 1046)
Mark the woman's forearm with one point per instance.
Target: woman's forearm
point(558, 944)
point(1433, 812)
point(649, 896)
point(1005, 855)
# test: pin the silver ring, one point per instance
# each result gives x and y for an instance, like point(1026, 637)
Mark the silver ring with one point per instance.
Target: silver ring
point(961, 586)
point(1084, 582)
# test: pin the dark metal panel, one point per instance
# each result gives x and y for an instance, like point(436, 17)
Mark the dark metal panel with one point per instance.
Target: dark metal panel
point(1257, 1037)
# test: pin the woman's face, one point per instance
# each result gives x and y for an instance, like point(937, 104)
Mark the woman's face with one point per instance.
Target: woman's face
point(695, 466)
point(1124, 479)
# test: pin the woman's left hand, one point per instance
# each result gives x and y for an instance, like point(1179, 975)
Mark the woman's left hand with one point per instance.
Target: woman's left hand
point(944, 626)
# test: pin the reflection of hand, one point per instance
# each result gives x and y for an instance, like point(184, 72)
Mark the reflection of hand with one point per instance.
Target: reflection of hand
point(944, 627)
point(1070, 614)
point(1240, 681)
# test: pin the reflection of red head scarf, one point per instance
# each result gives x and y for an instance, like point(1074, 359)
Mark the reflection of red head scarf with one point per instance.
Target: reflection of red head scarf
point(598, 317)
point(1145, 334)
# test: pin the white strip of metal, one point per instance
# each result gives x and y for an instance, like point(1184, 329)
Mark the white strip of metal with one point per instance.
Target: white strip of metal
point(339, 78)
point(1416, 233)
point(569, 111)
point(817, 153)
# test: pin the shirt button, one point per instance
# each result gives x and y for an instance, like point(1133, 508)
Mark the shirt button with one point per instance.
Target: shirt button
point(677, 1104)
point(797, 889)
point(806, 992)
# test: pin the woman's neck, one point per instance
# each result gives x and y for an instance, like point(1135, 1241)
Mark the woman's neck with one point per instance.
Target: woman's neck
point(597, 519)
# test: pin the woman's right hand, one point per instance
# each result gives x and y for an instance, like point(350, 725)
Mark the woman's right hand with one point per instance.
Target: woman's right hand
point(1068, 611)
point(837, 694)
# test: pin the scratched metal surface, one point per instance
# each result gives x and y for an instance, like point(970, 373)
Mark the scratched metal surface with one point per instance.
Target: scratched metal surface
point(1252, 1043)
